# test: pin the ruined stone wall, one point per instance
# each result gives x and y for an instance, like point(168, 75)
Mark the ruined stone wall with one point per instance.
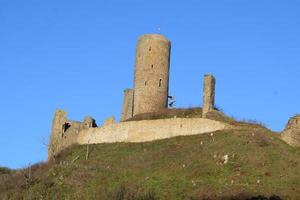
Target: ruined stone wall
point(151, 76)
point(88, 122)
point(65, 132)
point(59, 119)
point(70, 136)
point(291, 133)
point(149, 130)
point(127, 110)
point(208, 94)
point(63, 136)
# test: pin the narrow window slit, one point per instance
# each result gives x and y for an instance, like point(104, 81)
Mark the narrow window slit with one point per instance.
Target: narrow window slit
point(160, 82)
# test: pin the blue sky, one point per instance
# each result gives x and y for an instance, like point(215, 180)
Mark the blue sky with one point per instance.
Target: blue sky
point(79, 56)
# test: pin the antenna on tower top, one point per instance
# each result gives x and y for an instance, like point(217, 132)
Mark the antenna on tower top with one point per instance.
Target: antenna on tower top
point(158, 29)
point(172, 101)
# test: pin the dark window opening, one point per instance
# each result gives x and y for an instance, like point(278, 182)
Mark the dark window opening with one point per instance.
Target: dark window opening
point(160, 82)
point(149, 48)
point(145, 83)
point(152, 66)
point(65, 127)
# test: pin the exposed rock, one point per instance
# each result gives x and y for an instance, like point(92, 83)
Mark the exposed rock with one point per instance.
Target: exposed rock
point(291, 133)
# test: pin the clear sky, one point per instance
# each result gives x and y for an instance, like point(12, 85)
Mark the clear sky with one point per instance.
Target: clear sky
point(79, 56)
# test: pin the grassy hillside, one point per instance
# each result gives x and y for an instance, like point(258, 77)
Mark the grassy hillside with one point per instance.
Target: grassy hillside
point(191, 167)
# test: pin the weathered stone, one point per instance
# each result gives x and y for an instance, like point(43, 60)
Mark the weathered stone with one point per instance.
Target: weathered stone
point(89, 122)
point(151, 76)
point(149, 130)
point(291, 133)
point(208, 94)
point(58, 126)
point(127, 110)
point(150, 94)
point(65, 132)
point(109, 121)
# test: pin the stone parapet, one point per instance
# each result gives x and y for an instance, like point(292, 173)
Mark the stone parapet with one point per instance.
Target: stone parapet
point(149, 130)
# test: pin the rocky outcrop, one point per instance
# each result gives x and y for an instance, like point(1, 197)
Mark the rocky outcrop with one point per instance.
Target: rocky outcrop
point(291, 133)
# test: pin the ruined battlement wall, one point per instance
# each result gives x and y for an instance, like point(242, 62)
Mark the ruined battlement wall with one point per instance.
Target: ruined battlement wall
point(65, 132)
point(127, 108)
point(149, 130)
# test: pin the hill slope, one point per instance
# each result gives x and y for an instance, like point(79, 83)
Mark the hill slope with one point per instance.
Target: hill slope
point(191, 167)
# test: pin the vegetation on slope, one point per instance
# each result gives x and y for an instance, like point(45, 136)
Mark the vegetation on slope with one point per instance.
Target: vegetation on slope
point(190, 167)
point(5, 171)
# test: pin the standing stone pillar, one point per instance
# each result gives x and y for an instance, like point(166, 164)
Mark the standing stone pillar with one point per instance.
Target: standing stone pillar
point(127, 110)
point(208, 94)
point(55, 144)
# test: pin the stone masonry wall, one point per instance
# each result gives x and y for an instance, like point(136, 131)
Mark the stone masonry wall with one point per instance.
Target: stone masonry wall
point(151, 76)
point(59, 119)
point(208, 94)
point(70, 136)
point(127, 110)
point(65, 132)
point(149, 130)
point(291, 133)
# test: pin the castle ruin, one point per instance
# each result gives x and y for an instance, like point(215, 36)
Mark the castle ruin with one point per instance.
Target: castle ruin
point(65, 132)
point(151, 77)
point(149, 95)
point(127, 108)
point(208, 94)
point(291, 133)
point(151, 74)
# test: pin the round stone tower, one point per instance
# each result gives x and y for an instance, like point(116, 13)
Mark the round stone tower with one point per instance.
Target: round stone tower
point(151, 75)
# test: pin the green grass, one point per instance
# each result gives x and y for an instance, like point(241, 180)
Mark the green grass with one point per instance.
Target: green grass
point(188, 167)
